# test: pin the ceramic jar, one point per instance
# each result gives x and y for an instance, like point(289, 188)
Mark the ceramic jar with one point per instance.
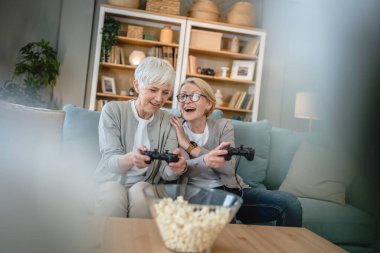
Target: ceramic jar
point(234, 45)
point(126, 3)
point(218, 98)
point(166, 34)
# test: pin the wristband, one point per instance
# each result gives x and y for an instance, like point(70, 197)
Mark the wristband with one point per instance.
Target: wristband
point(192, 145)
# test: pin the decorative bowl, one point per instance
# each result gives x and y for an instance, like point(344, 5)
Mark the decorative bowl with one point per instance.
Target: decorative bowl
point(242, 13)
point(205, 5)
point(190, 218)
point(206, 15)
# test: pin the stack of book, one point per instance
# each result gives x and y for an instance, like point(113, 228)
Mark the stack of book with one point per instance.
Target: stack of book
point(116, 56)
point(167, 53)
point(241, 100)
point(100, 103)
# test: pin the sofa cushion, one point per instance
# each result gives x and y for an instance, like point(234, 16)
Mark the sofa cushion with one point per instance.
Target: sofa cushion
point(315, 173)
point(342, 224)
point(284, 144)
point(80, 137)
point(29, 136)
point(256, 135)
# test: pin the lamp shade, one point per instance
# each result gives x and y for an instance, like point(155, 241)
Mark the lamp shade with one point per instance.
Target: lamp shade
point(306, 106)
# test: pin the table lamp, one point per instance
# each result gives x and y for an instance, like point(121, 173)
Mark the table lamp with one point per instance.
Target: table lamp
point(306, 107)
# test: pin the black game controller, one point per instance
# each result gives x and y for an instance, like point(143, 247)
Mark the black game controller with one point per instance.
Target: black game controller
point(155, 155)
point(248, 153)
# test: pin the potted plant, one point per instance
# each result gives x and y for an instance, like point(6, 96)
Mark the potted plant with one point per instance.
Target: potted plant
point(36, 73)
point(109, 37)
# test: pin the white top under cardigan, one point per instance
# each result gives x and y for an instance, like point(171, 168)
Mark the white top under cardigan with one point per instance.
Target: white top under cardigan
point(117, 129)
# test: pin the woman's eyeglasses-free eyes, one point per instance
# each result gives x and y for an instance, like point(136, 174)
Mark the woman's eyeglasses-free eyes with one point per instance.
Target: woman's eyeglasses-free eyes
point(194, 97)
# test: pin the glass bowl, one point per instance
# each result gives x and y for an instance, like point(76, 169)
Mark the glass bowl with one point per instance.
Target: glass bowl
point(188, 217)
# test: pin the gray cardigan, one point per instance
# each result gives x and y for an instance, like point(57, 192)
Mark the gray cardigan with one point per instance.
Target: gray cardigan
point(219, 130)
point(117, 127)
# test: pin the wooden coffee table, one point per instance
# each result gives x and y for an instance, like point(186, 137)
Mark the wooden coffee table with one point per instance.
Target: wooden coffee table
point(142, 236)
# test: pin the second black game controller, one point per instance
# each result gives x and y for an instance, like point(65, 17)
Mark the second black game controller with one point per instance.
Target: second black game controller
point(166, 156)
point(248, 153)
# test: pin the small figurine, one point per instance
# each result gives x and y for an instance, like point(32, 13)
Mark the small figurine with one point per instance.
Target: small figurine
point(131, 92)
point(219, 98)
point(224, 71)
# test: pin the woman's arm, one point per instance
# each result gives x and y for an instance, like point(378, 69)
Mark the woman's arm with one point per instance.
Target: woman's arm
point(114, 159)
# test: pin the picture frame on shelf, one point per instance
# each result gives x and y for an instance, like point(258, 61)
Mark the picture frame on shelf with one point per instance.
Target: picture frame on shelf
point(242, 70)
point(108, 85)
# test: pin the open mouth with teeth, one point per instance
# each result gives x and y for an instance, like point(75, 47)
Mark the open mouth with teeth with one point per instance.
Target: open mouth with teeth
point(189, 109)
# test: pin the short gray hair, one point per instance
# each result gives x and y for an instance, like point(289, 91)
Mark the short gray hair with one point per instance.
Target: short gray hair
point(153, 70)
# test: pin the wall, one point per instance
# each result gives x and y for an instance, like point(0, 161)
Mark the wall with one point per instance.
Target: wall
point(74, 50)
point(317, 46)
point(23, 22)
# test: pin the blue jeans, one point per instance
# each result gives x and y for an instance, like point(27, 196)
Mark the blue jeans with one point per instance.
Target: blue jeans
point(261, 205)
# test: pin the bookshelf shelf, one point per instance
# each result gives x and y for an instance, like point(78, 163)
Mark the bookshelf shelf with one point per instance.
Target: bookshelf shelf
point(178, 53)
point(225, 54)
point(146, 43)
point(221, 79)
point(117, 66)
point(224, 108)
point(241, 97)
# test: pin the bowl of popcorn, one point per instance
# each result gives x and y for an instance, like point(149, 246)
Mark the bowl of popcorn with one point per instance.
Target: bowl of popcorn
point(190, 218)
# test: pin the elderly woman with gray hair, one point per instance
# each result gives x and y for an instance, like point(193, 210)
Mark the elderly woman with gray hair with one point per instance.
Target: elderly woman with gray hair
point(126, 130)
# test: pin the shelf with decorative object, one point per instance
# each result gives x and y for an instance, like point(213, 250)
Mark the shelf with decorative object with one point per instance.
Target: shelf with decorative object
point(117, 66)
point(120, 97)
point(220, 79)
point(142, 42)
point(231, 63)
point(138, 37)
point(234, 55)
point(223, 53)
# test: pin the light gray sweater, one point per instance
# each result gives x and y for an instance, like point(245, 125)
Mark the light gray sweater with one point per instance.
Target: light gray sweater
point(117, 127)
point(219, 131)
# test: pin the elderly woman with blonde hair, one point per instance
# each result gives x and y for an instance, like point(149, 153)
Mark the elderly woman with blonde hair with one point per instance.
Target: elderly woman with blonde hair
point(204, 140)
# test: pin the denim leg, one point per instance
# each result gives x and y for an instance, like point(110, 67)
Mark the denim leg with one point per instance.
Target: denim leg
point(262, 205)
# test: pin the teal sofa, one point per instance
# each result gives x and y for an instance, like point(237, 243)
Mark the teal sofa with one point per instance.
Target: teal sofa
point(348, 226)
point(31, 139)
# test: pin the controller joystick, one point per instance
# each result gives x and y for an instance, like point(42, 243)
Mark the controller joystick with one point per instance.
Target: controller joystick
point(248, 153)
point(166, 156)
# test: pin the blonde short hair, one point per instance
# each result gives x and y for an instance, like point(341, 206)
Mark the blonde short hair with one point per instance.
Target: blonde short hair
point(205, 88)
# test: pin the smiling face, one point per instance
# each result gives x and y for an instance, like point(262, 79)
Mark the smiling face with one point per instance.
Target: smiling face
point(151, 98)
point(192, 111)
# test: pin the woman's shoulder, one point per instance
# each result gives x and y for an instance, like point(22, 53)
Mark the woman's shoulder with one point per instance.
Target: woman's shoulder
point(117, 107)
point(218, 122)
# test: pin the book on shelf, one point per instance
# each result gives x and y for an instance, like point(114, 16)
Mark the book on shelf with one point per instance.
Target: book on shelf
point(234, 99)
point(168, 54)
point(116, 55)
point(250, 102)
point(252, 47)
point(100, 103)
point(240, 100)
point(175, 56)
point(192, 64)
point(245, 101)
